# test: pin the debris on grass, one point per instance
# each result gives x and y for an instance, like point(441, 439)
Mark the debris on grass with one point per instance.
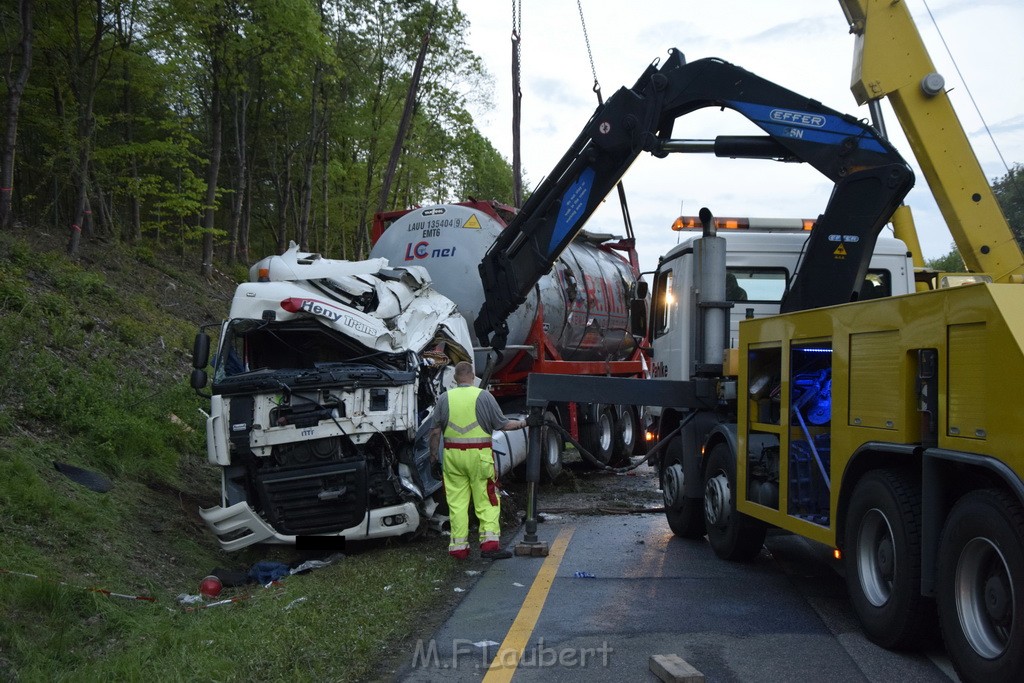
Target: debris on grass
point(294, 602)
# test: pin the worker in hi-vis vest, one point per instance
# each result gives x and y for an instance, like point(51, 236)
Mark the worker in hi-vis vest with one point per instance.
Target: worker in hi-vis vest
point(467, 415)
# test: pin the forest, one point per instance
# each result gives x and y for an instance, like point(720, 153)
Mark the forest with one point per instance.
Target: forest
point(231, 127)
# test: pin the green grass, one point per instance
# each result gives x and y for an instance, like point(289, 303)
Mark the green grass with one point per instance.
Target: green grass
point(95, 361)
point(335, 623)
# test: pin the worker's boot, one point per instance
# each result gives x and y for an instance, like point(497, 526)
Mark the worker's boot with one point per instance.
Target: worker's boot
point(490, 547)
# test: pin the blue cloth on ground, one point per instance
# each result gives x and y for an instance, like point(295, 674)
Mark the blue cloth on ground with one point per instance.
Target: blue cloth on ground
point(267, 571)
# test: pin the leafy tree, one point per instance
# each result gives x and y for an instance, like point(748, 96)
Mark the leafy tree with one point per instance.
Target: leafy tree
point(1009, 190)
point(19, 47)
point(233, 126)
point(950, 262)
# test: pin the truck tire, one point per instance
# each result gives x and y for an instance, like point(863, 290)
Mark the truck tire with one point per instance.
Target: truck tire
point(551, 447)
point(732, 535)
point(883, 559)
point(627, 433)
point(981, 587)
point(598, 437)
point(685, 515)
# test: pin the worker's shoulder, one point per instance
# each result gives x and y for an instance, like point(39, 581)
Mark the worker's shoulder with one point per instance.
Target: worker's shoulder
point(486, 397)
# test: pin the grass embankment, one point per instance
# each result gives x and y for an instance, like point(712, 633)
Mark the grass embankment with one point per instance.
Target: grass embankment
point(94, 357)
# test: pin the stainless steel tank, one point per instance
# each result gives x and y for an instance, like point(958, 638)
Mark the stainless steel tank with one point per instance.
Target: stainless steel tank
point(582, 305)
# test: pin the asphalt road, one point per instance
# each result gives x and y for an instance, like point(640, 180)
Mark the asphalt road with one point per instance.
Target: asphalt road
point(642, 592)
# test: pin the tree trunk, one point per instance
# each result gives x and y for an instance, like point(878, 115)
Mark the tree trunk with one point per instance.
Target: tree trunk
point(84, 87)
point(246, 225)
point(403, 126)
point(323, 181)
point(306, 200)
point(15, 88)
point(99, 223)
point(134, 203)
point(243, 228)
point(242, 174)
point(284, 197)
point(81, 198)
point(213, 170)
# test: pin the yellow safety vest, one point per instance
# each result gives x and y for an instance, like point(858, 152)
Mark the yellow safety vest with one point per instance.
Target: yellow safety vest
point(463, 432)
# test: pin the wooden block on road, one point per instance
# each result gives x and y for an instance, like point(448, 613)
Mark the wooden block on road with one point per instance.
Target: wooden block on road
point(674, 669)
point(532, 549)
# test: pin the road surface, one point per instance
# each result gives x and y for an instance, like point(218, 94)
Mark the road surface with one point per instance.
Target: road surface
point(619, 588)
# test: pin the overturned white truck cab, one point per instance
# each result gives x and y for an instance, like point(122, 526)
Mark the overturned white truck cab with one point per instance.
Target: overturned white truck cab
point(324, 380)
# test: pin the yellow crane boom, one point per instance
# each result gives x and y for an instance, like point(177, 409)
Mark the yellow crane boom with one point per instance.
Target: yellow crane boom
point(890, 60)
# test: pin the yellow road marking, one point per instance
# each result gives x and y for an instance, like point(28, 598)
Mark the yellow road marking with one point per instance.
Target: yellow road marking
point(503, 666)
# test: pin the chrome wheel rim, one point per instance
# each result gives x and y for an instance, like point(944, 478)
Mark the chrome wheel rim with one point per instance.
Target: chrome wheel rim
point(984, 597)
point(628, 429)
point(876, 560)
point(552, 449)
point(672, 484)
point(606, 431)
point(717, 500)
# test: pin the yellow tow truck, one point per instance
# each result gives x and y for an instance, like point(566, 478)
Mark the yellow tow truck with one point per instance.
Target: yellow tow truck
point(881, 424)
point(890, 425)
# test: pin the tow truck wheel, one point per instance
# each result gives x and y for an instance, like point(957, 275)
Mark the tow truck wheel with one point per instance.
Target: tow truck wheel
point(685, 515)
point(627, 432)
point(883, 559)
point(551, 445)
point(981, 587)
point(732, 535)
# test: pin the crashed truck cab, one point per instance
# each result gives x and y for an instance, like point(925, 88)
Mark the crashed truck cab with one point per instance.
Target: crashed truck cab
point(325, 376)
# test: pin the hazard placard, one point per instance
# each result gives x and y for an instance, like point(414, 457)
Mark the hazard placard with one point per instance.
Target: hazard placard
point(472, 222)
point(840, 251)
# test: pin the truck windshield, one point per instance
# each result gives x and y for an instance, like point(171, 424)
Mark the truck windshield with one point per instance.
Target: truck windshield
point(255, 346)
point(877, 283)
point(765, 285)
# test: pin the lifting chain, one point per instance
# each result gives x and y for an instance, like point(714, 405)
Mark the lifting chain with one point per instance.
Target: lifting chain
point(517, 100)
point(626, 220)
point(590, 54)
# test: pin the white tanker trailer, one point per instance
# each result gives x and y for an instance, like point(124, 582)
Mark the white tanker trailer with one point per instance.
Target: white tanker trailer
point(580, 319)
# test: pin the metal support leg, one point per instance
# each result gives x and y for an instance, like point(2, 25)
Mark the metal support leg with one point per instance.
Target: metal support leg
point(531, 545)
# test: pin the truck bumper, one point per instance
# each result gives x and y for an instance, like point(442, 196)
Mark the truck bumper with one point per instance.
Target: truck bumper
point(239, 526)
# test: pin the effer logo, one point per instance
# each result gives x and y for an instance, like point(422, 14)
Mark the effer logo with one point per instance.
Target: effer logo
point(798, 118)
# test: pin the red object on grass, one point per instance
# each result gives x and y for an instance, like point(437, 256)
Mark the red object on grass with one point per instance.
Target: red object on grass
point(210, 587)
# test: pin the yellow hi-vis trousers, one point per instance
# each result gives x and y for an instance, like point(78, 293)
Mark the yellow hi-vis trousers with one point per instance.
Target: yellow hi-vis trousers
point(469, 476)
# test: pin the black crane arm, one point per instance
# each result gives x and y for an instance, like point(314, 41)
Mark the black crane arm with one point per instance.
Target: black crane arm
point(871, 180)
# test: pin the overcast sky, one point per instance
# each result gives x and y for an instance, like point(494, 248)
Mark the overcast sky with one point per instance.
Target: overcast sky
point(803, 45)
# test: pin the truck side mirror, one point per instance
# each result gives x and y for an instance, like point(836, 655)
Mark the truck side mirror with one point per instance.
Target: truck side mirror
point(198, 379)
point(638, 317)
point(201, 351)
point(640, 289)
point(200, 359)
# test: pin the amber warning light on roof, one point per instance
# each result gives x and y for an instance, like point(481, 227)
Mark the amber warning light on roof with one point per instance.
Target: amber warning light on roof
point(756, 224)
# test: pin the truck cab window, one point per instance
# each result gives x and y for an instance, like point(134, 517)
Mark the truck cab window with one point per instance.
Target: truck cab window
point(662, 303)
point(877, 284)
point(763, 285)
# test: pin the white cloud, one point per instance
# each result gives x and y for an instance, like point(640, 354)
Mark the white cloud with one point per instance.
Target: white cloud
point(803, 45)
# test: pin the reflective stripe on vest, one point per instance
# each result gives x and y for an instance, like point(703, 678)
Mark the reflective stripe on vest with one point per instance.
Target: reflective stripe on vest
point(463, 432)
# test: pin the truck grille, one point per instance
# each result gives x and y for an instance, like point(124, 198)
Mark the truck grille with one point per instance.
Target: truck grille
point(315, 500)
